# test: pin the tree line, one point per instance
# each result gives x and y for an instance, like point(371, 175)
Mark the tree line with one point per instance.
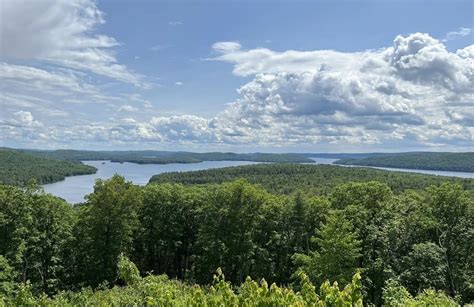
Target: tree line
point(402, 245)
point(442, 161)
point(164, 157)
point(17, 168)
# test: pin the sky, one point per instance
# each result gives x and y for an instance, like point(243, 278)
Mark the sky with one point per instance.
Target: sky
point(243, 76)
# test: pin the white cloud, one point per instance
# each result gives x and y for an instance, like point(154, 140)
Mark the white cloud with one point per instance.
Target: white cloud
point(226, 47)
point(61, 33)
point(127, 108)
point(21, 119)
point(27, 77)
point(368, 97)
point(413, 92)
point(175, 23)
point(461, 32)
point(178, 83)
point(263, 60)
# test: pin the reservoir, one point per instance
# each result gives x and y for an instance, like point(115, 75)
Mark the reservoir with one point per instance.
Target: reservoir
point(73, 189)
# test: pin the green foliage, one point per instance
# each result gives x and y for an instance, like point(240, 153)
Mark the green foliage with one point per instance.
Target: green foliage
point(127, 270)
point(52, 254)
point(35, 233)
point(108, 223)
point(308, 179)
point(160, 291)
point(442, 161)
point(395, 295)
point(453, 212)
point(6, 278)
point(338, 251)
point(18, 168)
point(425, 267)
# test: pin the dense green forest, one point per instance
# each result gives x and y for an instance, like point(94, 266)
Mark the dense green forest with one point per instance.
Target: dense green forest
point(308, 179)
point(443, 161)
point(19, 168)
point(164, 157)
point(358, 244)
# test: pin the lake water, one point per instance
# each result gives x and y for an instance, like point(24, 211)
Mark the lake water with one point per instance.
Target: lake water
point(73, 189)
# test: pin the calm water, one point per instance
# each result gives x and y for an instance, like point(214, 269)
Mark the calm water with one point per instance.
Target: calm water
point(73, 189)
point(422, 171)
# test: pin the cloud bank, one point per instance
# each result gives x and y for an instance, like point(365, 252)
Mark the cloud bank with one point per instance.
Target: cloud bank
point(413, 93)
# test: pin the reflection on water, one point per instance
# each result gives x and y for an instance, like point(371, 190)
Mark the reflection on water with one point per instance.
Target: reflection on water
point(73, 189)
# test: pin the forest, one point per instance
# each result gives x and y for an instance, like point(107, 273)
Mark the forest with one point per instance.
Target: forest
point(308, 179)
point(237, 244)
point(442, 161)
point(164, 157)
point(19, 168)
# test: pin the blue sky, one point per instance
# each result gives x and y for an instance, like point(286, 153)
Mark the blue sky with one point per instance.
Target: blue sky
point(278, 25)
point(148, 74)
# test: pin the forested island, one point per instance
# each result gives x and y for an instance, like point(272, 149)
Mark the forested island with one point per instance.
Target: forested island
point(237, 244)
point(441, 161)
point(19, 168)
point(308, 179)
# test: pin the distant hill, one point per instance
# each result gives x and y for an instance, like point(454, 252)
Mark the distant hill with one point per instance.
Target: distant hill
point(441, 161)
point(18, 168)
point(165, 157)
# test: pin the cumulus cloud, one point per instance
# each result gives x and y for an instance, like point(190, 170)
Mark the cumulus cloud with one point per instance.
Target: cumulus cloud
point(21, 119)
point(61, 33)
point(374, 96)
point(412, 92)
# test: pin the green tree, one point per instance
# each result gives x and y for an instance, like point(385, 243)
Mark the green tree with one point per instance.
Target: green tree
point(7, 278)
point(226, 235)
point(367, 205)
point(35, 229)
point(425, 268)
point(49, 241)
point(337, 254)
point(168, 229)
point(453, 210)
point(16, 220)
point(107, 228)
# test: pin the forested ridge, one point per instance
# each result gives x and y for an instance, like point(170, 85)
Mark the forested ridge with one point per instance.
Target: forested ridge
point(165, 157)
point(19, 168)
point(308, 179)
point(383, 248)
point(442, 161)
